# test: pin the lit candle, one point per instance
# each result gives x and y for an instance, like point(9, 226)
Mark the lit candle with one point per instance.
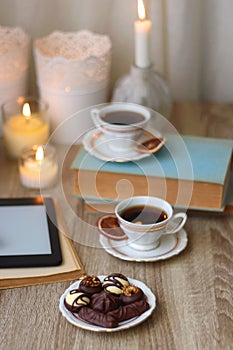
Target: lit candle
point(26, 111)
point(142, 29)
point(21, 127)
point(38, 168)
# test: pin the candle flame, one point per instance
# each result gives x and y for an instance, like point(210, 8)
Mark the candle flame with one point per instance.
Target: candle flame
point(26, 111)
point(40, 153)
point(141, 10)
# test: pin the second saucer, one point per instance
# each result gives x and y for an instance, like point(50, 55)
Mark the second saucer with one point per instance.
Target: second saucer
point(96, 144)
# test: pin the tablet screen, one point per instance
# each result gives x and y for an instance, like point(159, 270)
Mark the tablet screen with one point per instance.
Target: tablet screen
point(28, 233)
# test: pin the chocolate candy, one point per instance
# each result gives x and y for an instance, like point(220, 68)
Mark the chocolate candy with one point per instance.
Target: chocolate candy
point(130, 294)
point(90, 285)
point(126, 312)
point(104, 302)
point(75, 299)
point(114, 283)
point(97, 318)
point(108, 303)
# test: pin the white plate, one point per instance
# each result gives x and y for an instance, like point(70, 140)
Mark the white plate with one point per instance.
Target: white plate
point(78, 322)
point(96, 144)
point(170, 245)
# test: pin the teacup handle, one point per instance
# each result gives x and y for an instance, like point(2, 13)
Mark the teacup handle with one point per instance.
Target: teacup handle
point(179, 226)
point(95, 116)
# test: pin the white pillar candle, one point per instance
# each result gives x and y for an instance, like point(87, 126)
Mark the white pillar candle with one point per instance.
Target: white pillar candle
point(142, 29)
point(38, 168)
point(23, 128)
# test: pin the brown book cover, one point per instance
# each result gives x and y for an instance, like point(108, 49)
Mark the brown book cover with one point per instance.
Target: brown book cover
point(210, 159)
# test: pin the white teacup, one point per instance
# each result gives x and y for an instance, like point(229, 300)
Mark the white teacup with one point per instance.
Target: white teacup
point(143, 229)
point(121, 123)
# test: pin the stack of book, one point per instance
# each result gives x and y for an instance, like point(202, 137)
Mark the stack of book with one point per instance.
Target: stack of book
point(192, 173)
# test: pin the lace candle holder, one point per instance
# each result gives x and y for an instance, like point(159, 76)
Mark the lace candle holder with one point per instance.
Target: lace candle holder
point(73, 71)
point(14, 63)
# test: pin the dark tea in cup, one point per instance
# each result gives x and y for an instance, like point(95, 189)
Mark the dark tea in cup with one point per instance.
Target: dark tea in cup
point(123, 117)
point(145, 215)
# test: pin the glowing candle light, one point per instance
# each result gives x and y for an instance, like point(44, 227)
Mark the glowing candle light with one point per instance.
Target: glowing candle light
point(26, 111)
point(38, 168)
point(40, 153)
point(22, 128)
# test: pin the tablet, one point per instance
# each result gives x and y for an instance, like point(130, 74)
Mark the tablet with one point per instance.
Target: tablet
point(29, 236)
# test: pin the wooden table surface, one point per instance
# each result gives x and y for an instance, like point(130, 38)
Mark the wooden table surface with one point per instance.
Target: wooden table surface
point(193, 289)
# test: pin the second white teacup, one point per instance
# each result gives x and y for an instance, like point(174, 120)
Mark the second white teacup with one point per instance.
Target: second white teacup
point(145, 219)
point(121, 123)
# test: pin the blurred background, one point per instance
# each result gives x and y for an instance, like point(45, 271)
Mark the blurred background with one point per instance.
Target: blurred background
point(191, 40)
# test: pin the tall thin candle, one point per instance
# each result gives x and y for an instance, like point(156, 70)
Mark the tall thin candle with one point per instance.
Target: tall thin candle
point(142, 29)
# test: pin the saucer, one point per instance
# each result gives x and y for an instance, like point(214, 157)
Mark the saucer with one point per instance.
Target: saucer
point(78, 322)
point(169, 246)
point(97, 145)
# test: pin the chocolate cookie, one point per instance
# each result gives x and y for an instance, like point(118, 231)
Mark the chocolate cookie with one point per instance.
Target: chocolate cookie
point(97, 318)
point(75, 299)
point(104, 302)
point(114, 283)
point(130, 294)
point(126, 312)
point(90, 285)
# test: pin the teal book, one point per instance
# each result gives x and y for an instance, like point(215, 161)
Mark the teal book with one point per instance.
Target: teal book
point(188, 171)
